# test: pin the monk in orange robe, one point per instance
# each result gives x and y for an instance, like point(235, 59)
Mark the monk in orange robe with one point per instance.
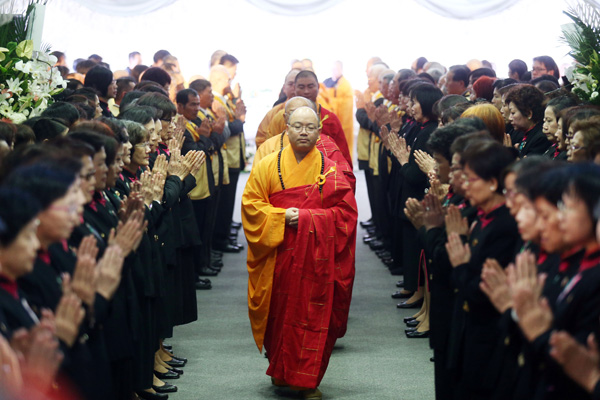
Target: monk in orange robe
point(263, 132)
point(299, 215)
point(341, 98)
point(307, 85)
point(324, 144)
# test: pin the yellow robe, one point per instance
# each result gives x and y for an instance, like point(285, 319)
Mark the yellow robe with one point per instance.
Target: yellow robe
point(341, 99)
point(263, 133)
point(270, 146)
point(264, 225)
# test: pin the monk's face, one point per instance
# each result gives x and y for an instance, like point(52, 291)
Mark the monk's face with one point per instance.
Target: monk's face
point(303, 130)
point(307, 87)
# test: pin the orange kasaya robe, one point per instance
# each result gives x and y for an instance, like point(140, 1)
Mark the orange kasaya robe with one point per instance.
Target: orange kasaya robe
point(263, 132)
point(324, 144)
point(341, 100)
point(331, 127)
point(300, 279)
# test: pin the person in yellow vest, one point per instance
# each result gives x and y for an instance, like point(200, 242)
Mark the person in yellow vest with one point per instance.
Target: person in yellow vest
point(367, 126)
point(235, 149)
point(204, 195)
point(341, 99)
point(289, 89)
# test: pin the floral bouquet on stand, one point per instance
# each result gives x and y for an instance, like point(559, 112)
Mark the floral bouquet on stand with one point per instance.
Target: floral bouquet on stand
point(583, 36)
point(27, 81)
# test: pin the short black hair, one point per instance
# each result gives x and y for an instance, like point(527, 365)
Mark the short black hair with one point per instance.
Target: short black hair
point(17, 209)
point(96, 58)
point(306, 74)
point(183, 96)
point(479, 72)
point(117, 127)
point(421, 61)
point(518, 66)
point(133, 54)
point(137, 133)
point(137, 71)
point(560, 103)
point(527, 98)
point(45, 128)
point(461, 143)
point(199, 85)
point(140, 114)
point(500, 83)
point(488, 160)
point(460, 73)
point(446, 102)
point(24, 135)
point(7, 132)
point(158, 75)
point(548, 180)
point(65, 112)
point(160, 102)
point(228, 58)
point(130, 99)
point(83, 66)
point(159, 55)
point(427, 96)
point(90, 137)
point(549, 63)
point(442, 138)
point(584, 183)
point(122, 84)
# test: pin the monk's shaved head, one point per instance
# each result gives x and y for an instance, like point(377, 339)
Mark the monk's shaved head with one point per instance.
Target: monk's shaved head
point(306, 114)
point(295, 103)
point(289, 86)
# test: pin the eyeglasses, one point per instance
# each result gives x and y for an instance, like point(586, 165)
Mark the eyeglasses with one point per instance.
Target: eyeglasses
point(508, 193)
point(72, 209)
point(575, 148)
point(88, 176)
point(469, 181)
point(142, 145)
point(539, 69)
point(298, 128)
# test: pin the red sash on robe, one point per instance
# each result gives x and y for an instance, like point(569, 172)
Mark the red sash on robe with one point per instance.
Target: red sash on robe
point(312, 281)
point(330, 149)
point(332, 127)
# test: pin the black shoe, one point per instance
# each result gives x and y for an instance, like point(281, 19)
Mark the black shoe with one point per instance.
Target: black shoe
point(166, 388)
point(166, 375)
point(400, 284)
point(214, 254)
point(176, 370)
point(182, 359)
point(142, 394)
point(397, 271)
point(409, 330)
point(399, 295)
point(388, 262)
point(207, 272)
point(417, 335)
point(416, 304)
point(202, 286)
point(368, 238)
point(236, 244)
point(366, 224)
point(376, 244)
point(383, 253)
point(233, 231)
point(413, 323)
point(408, 319)
point(167, 346)
point(215, 267)
point(228, 248)
point(175, 363)
point(205, 280)
point(236, 225)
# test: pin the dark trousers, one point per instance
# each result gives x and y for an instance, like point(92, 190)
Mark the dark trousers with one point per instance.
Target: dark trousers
point(444, 382)
point(205, 213)
point(380, 209)
point(411, 252)
point(225, 208)
point(369, 181)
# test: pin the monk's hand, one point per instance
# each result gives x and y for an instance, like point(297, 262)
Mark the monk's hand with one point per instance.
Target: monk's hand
point(291, 217)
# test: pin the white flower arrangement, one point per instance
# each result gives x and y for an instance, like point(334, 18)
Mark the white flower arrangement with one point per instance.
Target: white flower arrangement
point(28, 81)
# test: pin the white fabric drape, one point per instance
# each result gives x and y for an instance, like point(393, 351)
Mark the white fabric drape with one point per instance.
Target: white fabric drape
point(125, 8)
point(294, 8)
point(467, 9)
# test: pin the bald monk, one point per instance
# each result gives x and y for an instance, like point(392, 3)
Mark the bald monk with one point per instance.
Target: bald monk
point(307, 85)
point(263, 133)
point(299, 216)
point(324, 144)
point(341, 100)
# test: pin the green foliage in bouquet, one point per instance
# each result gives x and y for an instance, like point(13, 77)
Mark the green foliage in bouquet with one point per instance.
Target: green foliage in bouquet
point(583, 37)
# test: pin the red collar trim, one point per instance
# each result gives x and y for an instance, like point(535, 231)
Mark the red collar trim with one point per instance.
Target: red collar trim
point(9, 286)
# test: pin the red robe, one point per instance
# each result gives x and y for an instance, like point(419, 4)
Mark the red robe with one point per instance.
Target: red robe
point(332, 127)
point(309, 286)
point(313, 278)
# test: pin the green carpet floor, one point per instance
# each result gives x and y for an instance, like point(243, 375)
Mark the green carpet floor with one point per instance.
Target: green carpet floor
point(374, 360)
